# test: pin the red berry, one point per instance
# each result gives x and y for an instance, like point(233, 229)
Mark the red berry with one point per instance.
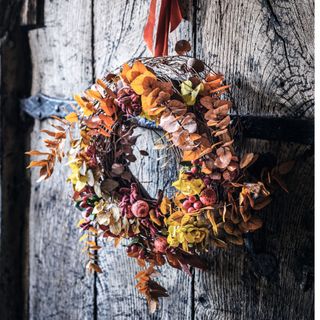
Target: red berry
point(195, 161)
point(83, 205)
point(197, 205)
point(194, 170)
point(192, 199)
point(134, 248)
point(187, 204)
point(207, 181)
point(191, 209)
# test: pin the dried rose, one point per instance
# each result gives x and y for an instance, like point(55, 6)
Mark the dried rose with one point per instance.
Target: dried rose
point(208, 196)
point(160, 244)
point(140, 209)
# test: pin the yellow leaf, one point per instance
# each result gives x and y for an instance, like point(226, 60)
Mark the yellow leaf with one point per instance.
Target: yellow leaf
point(188, 93)
point(188, 187)
point(212, 221)
point(72, 117)
point(165, 205)
point(83, 237)
point(144, 83)
point(84, 106)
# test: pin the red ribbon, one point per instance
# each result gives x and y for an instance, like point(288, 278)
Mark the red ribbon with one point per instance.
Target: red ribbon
point(169, 18)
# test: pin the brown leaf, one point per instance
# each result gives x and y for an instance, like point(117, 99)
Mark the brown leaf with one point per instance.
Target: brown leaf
point(177, 107)
point(261, 204)
point(169, 123)
point(207, 102)
point(36, 153)
point(223, 159)
point(246, 160)
point(286, 167)
point(143, 152)
point(117, 169)
point(108, 185)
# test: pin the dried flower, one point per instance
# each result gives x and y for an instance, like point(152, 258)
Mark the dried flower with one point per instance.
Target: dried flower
point(140, 209)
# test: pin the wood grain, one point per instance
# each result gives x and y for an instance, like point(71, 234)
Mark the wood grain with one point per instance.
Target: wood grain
point(59, 286)
point(61, 52)
point(233, 288)
point(265, 50)
point(61, 55)
point(118, 32)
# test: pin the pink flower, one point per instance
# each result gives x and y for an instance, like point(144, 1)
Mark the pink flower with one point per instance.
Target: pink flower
point(140, 209)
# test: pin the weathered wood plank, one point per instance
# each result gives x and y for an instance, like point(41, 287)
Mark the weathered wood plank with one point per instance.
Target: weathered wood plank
point(233, 287)
point(59, 286)
point(61, 52)
point(266, 51)
point(61, 56)
point(118, 30)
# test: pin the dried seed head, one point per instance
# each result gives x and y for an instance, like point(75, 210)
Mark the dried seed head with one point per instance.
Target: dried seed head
point(182, 47)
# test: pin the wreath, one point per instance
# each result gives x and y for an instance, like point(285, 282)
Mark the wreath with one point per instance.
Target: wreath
point(216, 199)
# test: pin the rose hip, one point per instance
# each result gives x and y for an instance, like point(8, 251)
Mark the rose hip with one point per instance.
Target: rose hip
point(194, 170)
point(191, 209)
point(197, 205)
point(187, 204)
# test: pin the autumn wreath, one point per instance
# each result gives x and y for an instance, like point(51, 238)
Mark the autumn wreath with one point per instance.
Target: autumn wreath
point(216, 198)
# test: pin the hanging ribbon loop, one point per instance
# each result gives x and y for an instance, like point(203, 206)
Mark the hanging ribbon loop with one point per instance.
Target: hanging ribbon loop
point(169, 19)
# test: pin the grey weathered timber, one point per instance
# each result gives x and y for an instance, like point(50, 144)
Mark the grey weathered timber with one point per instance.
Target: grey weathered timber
point(59, 288)
point(61, 56)
point(233, 288)
point(265, 49)
point(61, 51)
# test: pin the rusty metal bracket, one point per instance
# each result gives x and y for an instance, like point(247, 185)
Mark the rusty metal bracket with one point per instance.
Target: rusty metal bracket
point(301, 131)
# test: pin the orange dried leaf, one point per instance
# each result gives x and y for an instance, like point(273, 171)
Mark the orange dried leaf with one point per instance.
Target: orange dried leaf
point(72, 117)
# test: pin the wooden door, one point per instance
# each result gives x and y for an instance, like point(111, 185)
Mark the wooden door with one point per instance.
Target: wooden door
point(265, 49)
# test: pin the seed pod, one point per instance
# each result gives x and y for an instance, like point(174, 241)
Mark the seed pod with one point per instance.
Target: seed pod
point(208, 197)
point(195, 64)
point(182, 47)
